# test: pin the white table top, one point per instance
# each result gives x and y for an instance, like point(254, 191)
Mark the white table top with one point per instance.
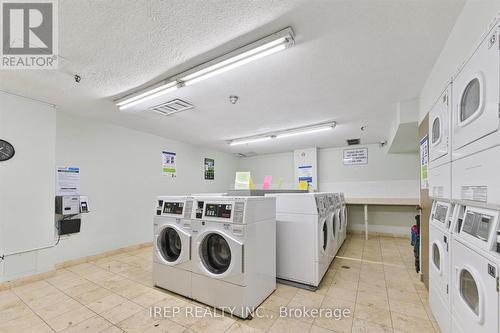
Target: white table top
point(384, 201)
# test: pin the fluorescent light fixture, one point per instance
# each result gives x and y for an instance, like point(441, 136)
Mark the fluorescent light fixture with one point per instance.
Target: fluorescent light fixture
point(254, 53)
point(147, 95)
point(305, 131)
point(244, 55)
point(250, 140)
point(323, 127)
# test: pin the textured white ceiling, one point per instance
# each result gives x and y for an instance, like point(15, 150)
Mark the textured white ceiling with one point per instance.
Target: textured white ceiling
point(353, 60)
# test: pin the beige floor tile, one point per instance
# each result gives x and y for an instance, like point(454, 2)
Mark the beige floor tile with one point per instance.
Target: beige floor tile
point(403, 296)
point(412, 309)
point(139, 322)
point(317, 329)
point(54, 310)
point(112, 329)
point(366, 298)
point(95, 324)
point(274, 303)
point(24, 322)
point(410, 324)
point(14, 311)
point(289, 325)
point(374, 314)
point(121, 312)
point(263, 319)
point(132, 291)
point(106, 303)
point(7, 299)
point(42, 302)
point(40, 328)
point(70, 318)
point(150, 298)
point(342, 293)
point(82, 288)
point(241, 327)
point(361, 326)
point(93, 295)
point(308, 299)
point(207, 324)
point(167, 326)
point(285, 291)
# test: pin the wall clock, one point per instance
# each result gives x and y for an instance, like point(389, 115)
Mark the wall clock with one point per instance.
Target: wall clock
point(7, 151)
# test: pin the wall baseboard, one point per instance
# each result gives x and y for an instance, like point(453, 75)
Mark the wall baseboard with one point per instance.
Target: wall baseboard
point(42, 276)
point(385, 231)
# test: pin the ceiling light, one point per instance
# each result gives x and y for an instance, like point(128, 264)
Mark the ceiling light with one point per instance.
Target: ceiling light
point(250, 140)
point(256, 52)
point(253, 51)
point(147, 95)
point(305, 131)
point(285, 133)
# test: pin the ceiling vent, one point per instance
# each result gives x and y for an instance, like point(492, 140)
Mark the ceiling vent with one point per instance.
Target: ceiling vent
point(352, 142)
point(171, 107)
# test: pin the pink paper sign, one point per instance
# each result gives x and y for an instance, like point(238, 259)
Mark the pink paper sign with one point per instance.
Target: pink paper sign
point(267, 182)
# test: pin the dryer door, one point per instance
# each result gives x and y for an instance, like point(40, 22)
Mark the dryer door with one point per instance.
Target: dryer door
point(476, 97)
point(439, 125)
point(221, 255)
point(474, 296)
point(173, 245)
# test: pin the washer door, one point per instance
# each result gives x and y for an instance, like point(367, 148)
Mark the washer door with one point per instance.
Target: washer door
point(324, 236)
point(220, 254)
point(474, 298)
point(173, 245)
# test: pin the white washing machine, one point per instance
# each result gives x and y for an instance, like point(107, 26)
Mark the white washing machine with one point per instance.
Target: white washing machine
point(172, 244)
point(440, 235)
point(475, 262)
point(476, 123)
point(302, 240)
point(234, 252)
point(343, 218)
point(333, 224)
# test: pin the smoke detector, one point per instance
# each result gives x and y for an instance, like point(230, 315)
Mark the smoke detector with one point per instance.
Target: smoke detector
point(233, 99)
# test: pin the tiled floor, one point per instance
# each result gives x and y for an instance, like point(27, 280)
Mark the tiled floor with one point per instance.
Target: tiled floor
point(375, 279)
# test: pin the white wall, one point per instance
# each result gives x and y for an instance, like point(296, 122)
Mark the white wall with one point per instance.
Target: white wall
point(385, 175)
point(470, 25)
point(26, 181)
point(120, 172)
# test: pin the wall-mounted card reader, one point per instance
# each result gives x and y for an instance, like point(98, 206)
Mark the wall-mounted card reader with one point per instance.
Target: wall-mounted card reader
point(84, 204)
point(68, 204)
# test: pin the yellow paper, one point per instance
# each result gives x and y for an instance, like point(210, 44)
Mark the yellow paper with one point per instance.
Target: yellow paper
point(251, 184)
point(303, 185)
point(242, 181)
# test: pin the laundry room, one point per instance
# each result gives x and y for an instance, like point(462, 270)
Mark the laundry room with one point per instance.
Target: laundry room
point(250, 166)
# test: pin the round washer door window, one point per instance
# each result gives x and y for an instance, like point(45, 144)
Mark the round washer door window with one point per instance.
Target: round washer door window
point(436, 130)
point(170, 244)
point(469, 291)
point(436, 256)
point(325, 235)
point(471, 100)
point(215, 253)
point(334, 225)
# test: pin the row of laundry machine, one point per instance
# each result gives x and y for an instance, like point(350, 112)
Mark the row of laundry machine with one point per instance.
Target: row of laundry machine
point(464, 159)
point(227, 251)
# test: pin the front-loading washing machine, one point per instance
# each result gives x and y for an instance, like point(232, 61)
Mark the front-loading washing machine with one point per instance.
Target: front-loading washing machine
point(476, 123)
point(342, 218)
point(440, 117)
point(440, 235)
point(302, 238)
point(172, 244)
point(475, 263)
point(333, 224)
point(234, 252)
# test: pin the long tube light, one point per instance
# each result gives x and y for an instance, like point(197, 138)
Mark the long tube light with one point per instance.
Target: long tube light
point(252, 140)
point(285, 133)
point(147, 95)
point(244, 55)
point(305, 131)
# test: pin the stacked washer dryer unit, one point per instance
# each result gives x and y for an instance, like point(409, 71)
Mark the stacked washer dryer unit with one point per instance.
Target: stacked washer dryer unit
point(476, 188)
point(234, 252)
point(303, 237)
point(172, 244)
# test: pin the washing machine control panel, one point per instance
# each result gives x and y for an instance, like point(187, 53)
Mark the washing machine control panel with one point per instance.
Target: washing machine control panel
point(173, 208)
point(218, 210)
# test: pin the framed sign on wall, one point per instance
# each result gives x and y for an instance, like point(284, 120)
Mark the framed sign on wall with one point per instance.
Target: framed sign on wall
point(209, 169)
point(357, 156)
